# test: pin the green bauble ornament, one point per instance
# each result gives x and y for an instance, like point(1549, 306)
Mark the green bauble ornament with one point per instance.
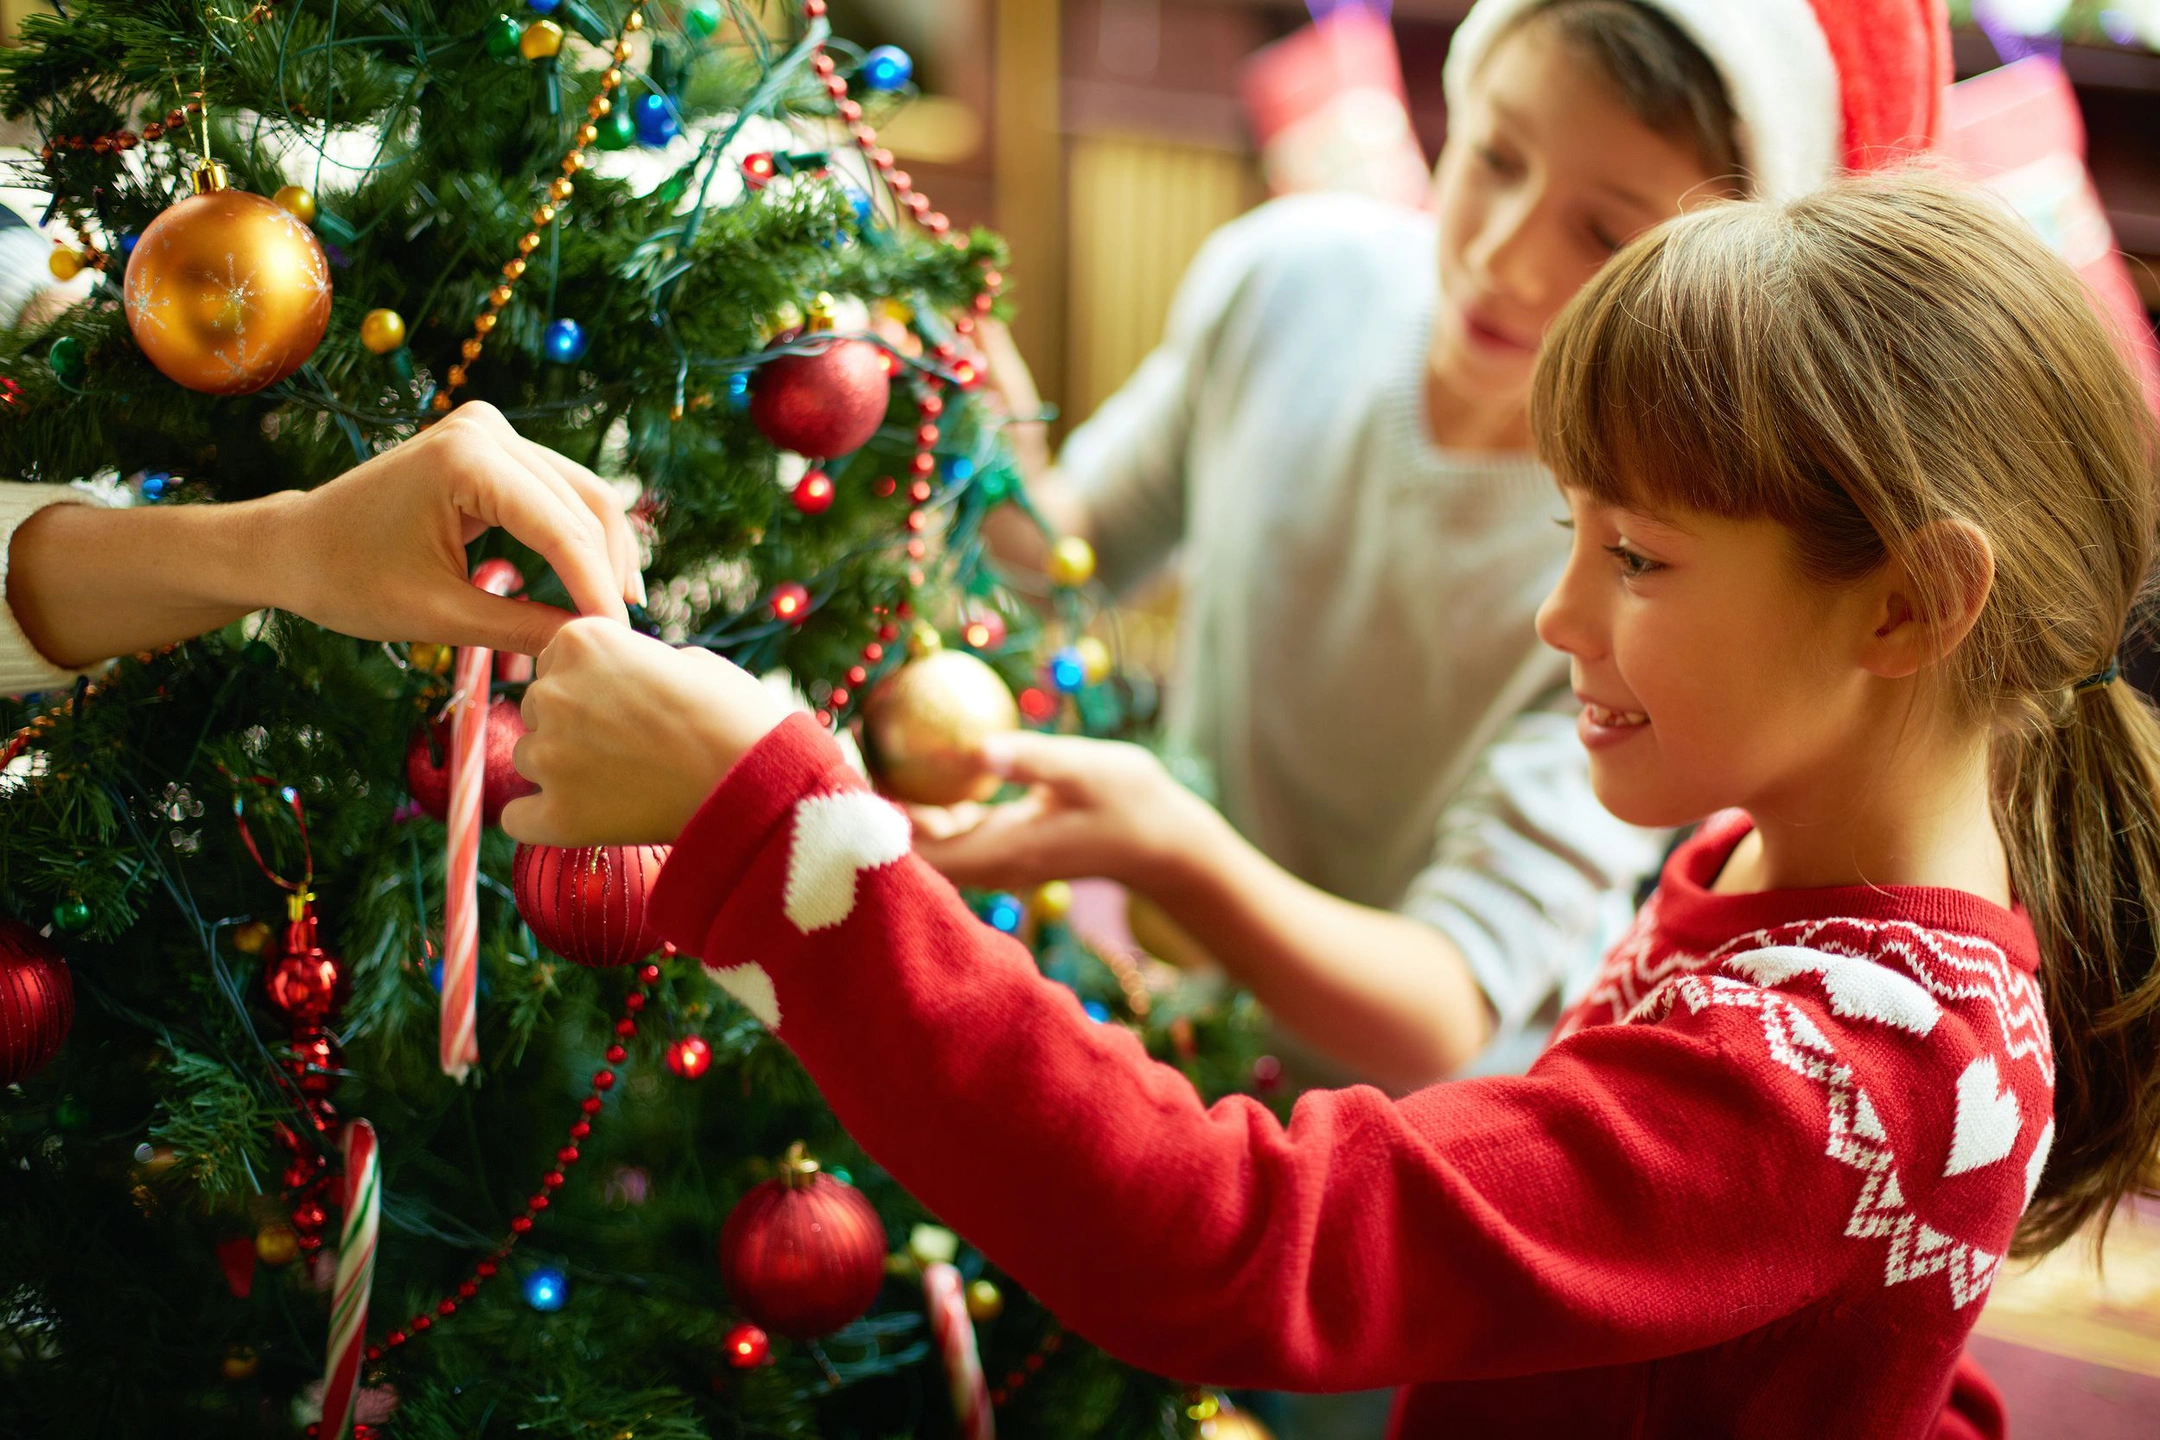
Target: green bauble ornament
point(66, 359)
point(502, 35)
point(617, 130)
point(70, 916)
point(701, 18)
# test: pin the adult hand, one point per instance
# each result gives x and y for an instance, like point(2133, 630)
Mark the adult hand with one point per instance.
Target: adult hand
point(1094, 808)
point(628, 736)
point(379, 552)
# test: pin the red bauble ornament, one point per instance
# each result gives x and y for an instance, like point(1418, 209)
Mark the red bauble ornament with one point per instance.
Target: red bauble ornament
point(814, 492)
point(37, 1002)
point(824, 402)
point(588, 905)
point(690, 1056)
point(804, 1254)
point(314, 1063)
point(746, 1347)
point(305, 984)
point(427, 764)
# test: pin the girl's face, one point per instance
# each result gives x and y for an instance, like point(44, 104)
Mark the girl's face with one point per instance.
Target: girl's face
point(1544, 175)
point(1712, 671)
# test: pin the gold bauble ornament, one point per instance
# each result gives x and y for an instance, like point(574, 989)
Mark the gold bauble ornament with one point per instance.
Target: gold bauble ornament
point(925, 725)
point(227, 292)
point(1053, 901)
point(297, 201)
point(240, 1363)
point(983, 1300)
point(65, 264)
point(252, 938)
point(1228, 1424)
point(542, 40)
point(277, 1245)
point(1094, 659)
point(1072, 562)
point(382, 331)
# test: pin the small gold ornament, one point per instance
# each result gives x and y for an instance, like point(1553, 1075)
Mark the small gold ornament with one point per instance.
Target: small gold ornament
point(1053, 901)
point(983, 1301)
point(226, 291)
point(1072, 562)
point(297, 201)
point(252, 938)
point(382, 331)
point(926, 723)
point(433, 658)
point(1094, 659)
point(1231, 1424)
point(240, 1362)
point(277, 1245)
point(542, 40)
point(64, 263)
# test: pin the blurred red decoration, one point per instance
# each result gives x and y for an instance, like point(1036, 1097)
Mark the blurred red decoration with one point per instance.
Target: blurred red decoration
point(823, 402)
point(803, 1254)
point(427, 764)
point(790, 602)
point(758, 170)
point(315, 1063)
point(1037, 704)
point(37, 1002)
point(814, 492)
point(984, 630)
point(588, 904)
point(746, 1347)
point(304, 983)
point(690, 1056)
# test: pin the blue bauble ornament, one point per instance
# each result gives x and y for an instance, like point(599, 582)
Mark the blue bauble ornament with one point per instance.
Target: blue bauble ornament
point(155, 484)
point(656, 122)
point(958, 469)
point(1096, 1011)
point(1068, 670)
point(738, 390)
point(1004, 912)
point(886, 68)
point(546, 1288)
point(544, 7)
point(564, 341)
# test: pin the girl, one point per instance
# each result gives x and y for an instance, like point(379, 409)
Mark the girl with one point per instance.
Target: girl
point(1334, 431)
point(1861, 495)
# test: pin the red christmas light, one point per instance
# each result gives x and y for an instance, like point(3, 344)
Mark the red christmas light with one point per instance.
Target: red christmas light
point(690, 1056)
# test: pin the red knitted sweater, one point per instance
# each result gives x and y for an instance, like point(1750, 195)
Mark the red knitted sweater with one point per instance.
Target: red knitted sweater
point(1758, 1187)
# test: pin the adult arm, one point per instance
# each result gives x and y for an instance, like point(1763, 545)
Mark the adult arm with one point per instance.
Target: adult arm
point(378, 553)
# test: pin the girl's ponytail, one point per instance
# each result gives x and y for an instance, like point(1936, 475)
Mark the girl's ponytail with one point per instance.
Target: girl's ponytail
point(2079, 812)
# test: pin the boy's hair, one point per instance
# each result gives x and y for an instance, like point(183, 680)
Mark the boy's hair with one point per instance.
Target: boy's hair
point(1859, 365)
point(1661, 76)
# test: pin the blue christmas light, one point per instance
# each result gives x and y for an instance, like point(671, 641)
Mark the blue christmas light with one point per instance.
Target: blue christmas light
point(127, 243)
point(859, 198)
point(886, 68)
point(546, 1288)
point(564, 341)
point(656, 123)
point(1004, 912)
point(738, 389)
point(155, 484)
point(1096, 1011)
point(958, 469)
point(1068, 671)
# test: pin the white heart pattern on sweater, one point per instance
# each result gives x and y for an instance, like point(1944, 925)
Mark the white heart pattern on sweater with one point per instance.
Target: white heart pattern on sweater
point(1858, 989)
point(1988, 1119)
point(838, 836)
point(752, 986)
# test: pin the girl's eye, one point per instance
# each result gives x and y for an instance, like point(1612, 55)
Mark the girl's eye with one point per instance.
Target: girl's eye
point(1496, 162)
point(1605, 239)
point(1632, 565)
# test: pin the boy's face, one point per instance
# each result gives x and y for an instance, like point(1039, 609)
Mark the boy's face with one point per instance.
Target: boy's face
point(1544, 175)
point(1713, 672)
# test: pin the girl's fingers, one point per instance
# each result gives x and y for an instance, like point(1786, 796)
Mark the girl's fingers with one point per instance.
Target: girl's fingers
point(606, 506)
point(468, 615)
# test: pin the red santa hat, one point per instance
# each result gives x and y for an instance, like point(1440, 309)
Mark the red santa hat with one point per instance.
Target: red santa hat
point(1816, 85)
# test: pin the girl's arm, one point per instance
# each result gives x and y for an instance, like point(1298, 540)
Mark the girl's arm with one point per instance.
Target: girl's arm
point(378, 553)
point(1389, 996)
point(1613, 1205)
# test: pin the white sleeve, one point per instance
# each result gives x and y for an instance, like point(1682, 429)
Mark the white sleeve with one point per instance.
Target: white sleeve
point(23, 671)
point(1531, 877)
point(1127, 461)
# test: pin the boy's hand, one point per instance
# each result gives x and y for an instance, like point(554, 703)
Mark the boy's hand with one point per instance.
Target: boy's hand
point(1095, 808)
point(629, 736)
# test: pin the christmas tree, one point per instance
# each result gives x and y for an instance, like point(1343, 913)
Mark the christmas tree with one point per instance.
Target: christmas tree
point(664, 240)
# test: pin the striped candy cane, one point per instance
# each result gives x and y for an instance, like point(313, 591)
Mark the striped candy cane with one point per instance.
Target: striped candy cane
point(355, 1277)
point(945, 1297)
point(461, 880)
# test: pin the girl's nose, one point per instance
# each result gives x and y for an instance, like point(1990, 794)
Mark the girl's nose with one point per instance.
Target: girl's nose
point(1568, 620)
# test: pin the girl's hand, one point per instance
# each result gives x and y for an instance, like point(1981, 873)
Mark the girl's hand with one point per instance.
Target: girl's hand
point(629, 736)
point(379, 552)
point(1095, 808)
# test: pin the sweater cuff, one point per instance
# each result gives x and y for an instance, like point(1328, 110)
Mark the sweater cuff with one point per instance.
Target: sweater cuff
point(23, 670)
point(752, 803)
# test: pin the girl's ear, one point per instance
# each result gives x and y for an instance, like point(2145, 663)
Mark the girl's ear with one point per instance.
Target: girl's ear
point(1915, 626)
